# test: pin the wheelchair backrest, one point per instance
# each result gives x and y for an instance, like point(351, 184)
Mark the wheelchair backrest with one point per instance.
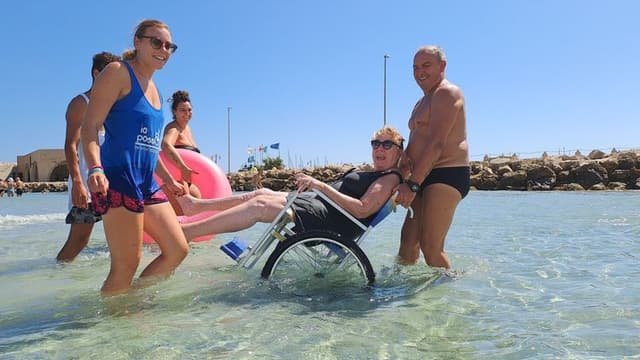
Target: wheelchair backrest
point(386, 209)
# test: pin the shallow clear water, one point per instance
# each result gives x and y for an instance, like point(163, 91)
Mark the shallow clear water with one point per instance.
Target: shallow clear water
point(538, 275)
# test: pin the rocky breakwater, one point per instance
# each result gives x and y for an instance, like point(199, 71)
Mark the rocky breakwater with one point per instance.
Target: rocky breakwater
point(596, 171)
point(282, 179)
point(55, 186)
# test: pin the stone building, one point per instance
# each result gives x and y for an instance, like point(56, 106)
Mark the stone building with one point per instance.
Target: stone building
point(43, 165)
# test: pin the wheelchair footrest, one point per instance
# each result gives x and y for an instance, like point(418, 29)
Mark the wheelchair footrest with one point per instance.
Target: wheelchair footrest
point(234, 248)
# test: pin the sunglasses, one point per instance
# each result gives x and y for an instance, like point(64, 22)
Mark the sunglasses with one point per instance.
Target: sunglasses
point(157, 43)
point(387, 144)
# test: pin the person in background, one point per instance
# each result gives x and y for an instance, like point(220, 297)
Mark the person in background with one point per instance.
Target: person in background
point(178, 135)
point(435, 164)
point(80, 216)
point(11, 187)
point(127, 103)
point(3, 187)
point(19, 186)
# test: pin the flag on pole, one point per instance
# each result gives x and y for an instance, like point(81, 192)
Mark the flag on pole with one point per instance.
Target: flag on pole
point(275, 146)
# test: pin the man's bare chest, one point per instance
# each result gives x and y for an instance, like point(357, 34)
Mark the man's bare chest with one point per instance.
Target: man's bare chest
point(421, 114)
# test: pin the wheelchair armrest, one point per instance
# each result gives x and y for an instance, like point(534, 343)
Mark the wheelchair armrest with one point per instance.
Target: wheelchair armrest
point(343, 211)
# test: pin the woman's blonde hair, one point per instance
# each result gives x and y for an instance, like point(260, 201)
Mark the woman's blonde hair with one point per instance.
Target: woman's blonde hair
point(141, 28)
point(391, 131)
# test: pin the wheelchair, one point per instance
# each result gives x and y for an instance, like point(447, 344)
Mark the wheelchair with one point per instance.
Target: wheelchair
point(309, 255)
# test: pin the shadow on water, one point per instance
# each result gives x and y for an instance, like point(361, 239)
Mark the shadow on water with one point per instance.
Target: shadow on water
point(67, 317)
point(20, 329)
point(395, 284)
point(403, 282)
point(29, 266)
point(206, 290)
point(26, 266)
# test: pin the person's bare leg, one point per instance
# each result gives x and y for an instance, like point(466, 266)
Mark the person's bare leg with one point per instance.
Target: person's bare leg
point(439, 205)
point(191, 205)
point(258, 209)
point(410, 235)
point(123, 230)
point(162, 225)
point(195, 191)
point(192, 190)
point(77, 240)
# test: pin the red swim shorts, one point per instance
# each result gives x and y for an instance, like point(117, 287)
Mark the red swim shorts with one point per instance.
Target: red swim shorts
point(113, 199)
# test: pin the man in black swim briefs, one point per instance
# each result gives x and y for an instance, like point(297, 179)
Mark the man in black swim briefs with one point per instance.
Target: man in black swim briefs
point(435, 164)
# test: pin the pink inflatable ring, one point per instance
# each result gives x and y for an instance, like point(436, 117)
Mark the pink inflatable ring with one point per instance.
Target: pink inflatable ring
point(210, 179)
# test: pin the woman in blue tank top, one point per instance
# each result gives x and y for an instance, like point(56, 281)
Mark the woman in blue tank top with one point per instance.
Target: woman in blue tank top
point(127, 103)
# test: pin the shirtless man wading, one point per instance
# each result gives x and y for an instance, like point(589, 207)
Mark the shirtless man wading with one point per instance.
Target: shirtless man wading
point(435, 164)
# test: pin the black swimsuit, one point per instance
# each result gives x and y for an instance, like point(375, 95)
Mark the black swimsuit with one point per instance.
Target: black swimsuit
point(311, 212)
point(187, 147)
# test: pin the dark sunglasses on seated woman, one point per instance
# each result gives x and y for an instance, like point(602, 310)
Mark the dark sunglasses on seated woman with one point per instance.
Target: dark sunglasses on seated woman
point(157, 43)
point(387, 144)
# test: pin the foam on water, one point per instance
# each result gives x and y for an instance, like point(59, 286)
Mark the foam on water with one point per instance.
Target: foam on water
point(13, 220)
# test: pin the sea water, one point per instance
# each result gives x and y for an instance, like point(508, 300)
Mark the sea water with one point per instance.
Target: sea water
point(536, 275)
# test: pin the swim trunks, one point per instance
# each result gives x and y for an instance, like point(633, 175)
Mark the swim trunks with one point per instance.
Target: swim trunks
point(114, 199)
point(187, 147)
point(458, 177)
point(82, 216)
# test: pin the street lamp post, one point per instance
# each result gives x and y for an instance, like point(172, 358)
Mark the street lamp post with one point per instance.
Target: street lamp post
point(228, 139)
point(385, 89)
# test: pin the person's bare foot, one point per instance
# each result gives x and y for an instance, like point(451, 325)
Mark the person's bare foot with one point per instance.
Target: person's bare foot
point(187, 203)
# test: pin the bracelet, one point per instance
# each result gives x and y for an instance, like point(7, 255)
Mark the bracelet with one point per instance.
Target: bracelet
point(96, 170)
point(96, 167)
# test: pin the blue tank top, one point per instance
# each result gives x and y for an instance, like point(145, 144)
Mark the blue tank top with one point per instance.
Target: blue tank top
point(132, 143)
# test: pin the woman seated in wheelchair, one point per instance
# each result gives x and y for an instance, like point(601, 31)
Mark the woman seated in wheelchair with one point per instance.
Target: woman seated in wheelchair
point(360, 193)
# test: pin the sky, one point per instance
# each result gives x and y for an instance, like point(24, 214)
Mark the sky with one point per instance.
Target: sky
point(546, 75)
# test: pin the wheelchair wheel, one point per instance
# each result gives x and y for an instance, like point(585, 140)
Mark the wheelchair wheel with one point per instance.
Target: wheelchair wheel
point(319, 257)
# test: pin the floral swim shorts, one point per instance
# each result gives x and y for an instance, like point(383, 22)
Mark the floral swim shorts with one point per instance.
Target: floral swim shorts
point(114, 199)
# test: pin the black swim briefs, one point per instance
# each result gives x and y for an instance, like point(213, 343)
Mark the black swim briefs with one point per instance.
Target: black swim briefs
point(458, 177)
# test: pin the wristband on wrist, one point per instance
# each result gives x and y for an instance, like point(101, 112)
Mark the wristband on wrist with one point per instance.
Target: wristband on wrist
point(96, 170)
